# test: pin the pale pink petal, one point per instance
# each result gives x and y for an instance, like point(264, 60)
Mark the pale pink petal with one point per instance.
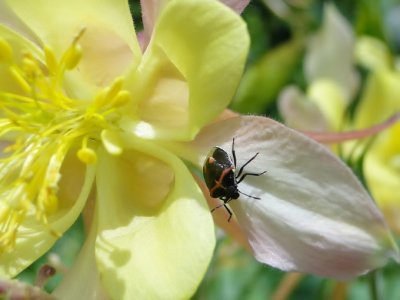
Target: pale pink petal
point(142, 39)
point(313, 216)
point(236, 5)
point(150, 12)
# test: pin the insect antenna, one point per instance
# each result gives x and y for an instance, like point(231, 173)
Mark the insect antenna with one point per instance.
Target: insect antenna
point(233, 152)
point(257, 198)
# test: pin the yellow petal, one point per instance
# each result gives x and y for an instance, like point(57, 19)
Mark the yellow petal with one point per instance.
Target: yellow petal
point(380, 99)
point(155, 236)
point(382, 167)
point(109, 44)
point(330, 99)
point(372, 53)
point(189, 72)
point(35, 239)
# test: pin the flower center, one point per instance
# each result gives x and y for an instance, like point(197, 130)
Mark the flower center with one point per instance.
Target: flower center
point(40, 123)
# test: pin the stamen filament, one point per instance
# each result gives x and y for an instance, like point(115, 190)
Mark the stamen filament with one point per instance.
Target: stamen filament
point(20, 80)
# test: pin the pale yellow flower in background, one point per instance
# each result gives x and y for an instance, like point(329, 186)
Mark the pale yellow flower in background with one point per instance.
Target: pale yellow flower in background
point(330, 67)
point(379, 101)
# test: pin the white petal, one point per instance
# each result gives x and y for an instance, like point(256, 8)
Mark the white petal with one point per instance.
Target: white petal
point(313, 216)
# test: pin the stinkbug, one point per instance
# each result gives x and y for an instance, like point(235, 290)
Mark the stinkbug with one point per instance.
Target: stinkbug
point(219, 171)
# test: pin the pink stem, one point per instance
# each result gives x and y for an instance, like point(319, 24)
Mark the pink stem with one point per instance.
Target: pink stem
point(338, 137)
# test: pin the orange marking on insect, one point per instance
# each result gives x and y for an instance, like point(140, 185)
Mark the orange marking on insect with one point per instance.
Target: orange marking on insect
point(218, 183)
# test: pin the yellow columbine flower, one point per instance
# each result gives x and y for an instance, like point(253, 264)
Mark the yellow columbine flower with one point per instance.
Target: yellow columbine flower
point(76, 91)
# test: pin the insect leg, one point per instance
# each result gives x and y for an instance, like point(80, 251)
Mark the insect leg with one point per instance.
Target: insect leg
point(241, 169)
point(229, 212)
point(227, 209)
point(218, 207)
point(250, 174)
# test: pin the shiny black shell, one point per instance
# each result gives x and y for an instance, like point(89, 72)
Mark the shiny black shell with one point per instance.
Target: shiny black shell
point(219, 175)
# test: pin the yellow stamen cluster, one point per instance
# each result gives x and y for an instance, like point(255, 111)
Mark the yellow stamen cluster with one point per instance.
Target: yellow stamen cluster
point(39, 124)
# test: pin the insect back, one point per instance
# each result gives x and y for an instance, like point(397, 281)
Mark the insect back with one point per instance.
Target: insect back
point(219, 175)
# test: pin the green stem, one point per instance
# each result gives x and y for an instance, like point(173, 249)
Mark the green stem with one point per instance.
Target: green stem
point(375, 285)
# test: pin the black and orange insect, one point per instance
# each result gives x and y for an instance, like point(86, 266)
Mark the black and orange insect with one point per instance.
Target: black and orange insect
point(219, 171)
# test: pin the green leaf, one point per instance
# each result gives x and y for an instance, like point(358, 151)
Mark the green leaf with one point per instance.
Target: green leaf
point(263, 81)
